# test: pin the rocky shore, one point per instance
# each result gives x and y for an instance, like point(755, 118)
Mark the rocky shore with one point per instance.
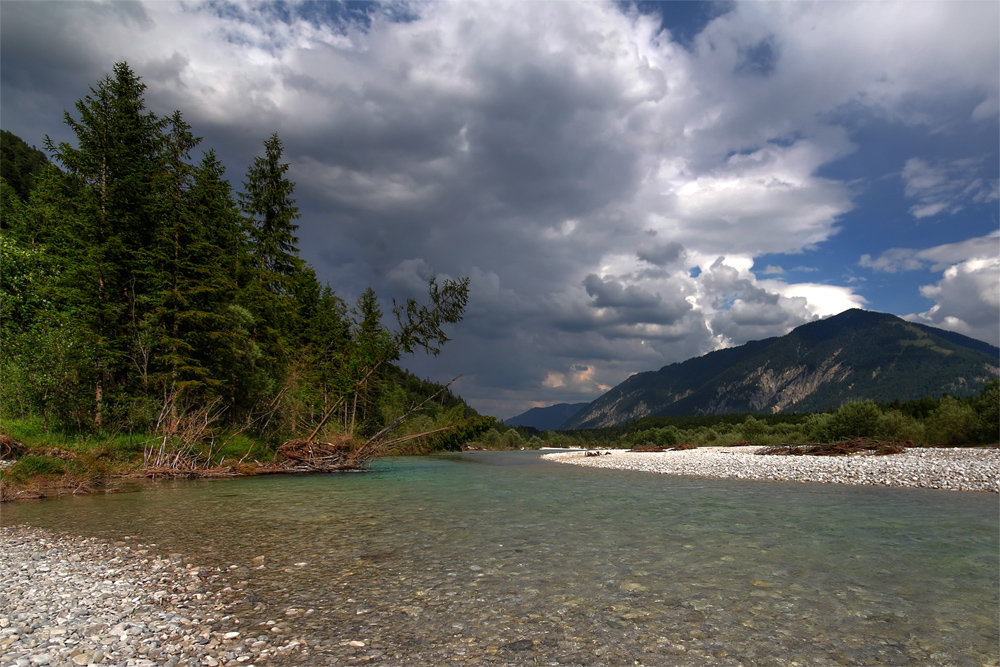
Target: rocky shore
point(959, 469)
point(67, 601)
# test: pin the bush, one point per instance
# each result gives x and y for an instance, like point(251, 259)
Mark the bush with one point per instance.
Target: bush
point(953, 423)
point(754, 431)
point(511, 439)
point(854, 419)
point(987, 407)
point(817, 427)
point(896, 427)
point(668, 436)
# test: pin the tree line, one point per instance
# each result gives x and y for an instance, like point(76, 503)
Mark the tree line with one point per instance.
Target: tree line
point(139, 288)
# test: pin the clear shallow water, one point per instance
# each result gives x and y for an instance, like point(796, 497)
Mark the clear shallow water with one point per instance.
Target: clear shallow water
point(500, 558)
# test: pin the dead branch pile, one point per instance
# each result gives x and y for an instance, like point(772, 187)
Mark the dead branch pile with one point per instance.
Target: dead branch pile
point(180, 465)
point(859, 446)
point(181, 432)
point(310, 456)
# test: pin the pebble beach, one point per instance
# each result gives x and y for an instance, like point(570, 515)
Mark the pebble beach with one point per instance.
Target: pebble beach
point(958, 469)
point(67, 602)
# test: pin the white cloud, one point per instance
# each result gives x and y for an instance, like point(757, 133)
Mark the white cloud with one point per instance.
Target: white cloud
point(946, 187)
point(886, 56)
point(937, 258)
point(966, 299)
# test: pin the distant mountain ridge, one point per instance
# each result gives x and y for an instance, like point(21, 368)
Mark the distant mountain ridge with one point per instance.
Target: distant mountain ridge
point(546, 419)
point(855, 355)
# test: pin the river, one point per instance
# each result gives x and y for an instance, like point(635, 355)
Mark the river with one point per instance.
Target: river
point(499, 558)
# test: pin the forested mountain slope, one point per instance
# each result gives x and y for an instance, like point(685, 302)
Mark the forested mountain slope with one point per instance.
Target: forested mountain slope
point(546, 419)
point(855, 355)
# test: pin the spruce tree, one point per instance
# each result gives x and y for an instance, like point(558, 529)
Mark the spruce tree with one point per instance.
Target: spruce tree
point(266, 278)
point(181, 264)
point(112, 173)
point(271, 212)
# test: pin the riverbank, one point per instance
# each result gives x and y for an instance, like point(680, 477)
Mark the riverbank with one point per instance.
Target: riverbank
point(40, 472)
point(69, 601)
point(958, 469)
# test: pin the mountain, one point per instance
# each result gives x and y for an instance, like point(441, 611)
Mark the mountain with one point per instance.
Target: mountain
point(546, 419)
point(855, 355)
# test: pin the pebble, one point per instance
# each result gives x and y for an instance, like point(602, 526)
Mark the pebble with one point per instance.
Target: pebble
point(68, 601)
point(957, 469)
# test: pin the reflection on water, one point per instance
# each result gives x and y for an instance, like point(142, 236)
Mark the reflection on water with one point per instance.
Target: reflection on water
point(499, 558)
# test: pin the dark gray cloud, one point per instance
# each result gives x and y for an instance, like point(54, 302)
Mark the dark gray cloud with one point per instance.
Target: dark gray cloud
point(612, 294)
point(660, 254)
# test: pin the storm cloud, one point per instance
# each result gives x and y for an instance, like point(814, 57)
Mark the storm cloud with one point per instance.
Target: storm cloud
point(607, 180)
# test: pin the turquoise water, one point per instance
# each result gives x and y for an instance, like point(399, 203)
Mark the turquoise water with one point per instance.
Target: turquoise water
point(501, 558)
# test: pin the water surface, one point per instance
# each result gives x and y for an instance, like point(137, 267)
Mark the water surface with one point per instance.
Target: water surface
point(501, 558)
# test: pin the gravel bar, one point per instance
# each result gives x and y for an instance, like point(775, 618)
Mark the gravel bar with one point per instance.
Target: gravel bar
point(68, 601)
point(958, 469)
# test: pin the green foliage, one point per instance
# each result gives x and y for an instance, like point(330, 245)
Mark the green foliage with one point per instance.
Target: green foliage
point(19, 164)
point(271, 212)
point(894, 426)
point(987, 407)
point(48, 371)
point(511, 439)
point(953, 423)
point(854, 419)
point(22, 272)
point(668, 436)
point(754, 432)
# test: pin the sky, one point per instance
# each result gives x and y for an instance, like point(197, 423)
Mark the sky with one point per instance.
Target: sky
point(626, 185)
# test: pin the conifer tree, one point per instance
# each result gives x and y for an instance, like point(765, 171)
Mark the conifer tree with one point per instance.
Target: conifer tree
point(214, 208)
point(271, 212)
point(182, 263)
point(112, 172)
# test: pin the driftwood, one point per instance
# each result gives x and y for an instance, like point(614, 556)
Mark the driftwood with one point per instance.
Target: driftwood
point(649, 447)
point(857, 446)
point(311, 456)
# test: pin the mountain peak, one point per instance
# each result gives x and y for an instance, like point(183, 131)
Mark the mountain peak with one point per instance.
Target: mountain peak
point(854, 355)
